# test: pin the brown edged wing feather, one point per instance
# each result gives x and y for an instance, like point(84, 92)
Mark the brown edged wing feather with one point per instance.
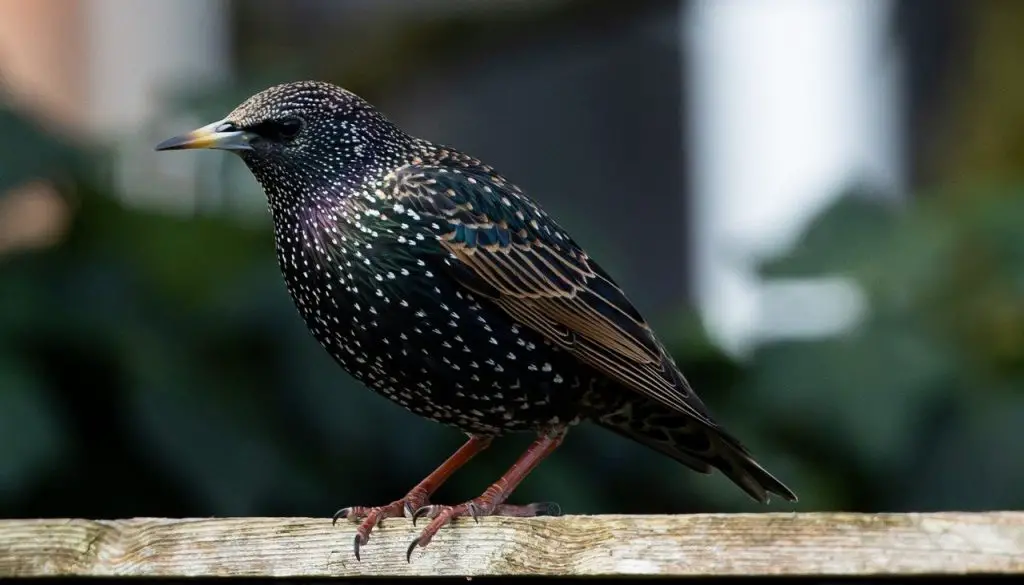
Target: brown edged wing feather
point(501, 245)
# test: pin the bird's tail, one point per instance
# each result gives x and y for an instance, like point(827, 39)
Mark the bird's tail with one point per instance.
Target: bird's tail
point(694, 444)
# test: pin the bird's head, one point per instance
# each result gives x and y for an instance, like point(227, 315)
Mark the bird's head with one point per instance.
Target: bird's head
point(302, 129)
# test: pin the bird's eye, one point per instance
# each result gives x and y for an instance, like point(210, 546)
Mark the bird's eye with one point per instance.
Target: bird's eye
point(278, 131)
point(290, 127)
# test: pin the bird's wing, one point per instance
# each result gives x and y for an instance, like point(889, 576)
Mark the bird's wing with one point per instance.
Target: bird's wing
point(506, 248)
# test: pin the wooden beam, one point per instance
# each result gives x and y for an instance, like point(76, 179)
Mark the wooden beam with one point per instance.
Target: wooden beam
point(820, 544)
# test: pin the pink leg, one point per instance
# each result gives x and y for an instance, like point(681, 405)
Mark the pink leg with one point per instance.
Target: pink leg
point(492, 501)
point(417, 497)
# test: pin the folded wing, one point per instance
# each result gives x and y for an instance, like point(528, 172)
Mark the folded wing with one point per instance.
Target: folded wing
point(504, 247)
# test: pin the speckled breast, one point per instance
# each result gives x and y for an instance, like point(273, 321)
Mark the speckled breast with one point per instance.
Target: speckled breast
point(413, 334)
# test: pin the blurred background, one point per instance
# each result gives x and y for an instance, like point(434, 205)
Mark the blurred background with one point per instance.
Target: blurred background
point(818, 205)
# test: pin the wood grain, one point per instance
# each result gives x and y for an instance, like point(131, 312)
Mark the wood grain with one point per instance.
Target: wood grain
point(741, 544)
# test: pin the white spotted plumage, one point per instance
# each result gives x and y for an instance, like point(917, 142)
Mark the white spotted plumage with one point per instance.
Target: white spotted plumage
point(350, 258)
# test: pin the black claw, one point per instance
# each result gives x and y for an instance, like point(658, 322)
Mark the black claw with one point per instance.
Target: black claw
point(409, 512)
point(474, 512)
point(355, 546)
point(419, 513)
point(548, 509)
point(408, 551)
point(342, 513)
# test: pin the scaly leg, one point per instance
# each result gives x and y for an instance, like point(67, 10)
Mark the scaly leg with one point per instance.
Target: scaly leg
point(417, 497)
point(492, 501)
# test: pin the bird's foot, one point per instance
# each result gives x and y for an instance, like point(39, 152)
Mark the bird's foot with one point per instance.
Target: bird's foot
point(475, 508)
point(371, 517)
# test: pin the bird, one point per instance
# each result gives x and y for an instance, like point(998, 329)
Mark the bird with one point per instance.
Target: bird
point(441, 285)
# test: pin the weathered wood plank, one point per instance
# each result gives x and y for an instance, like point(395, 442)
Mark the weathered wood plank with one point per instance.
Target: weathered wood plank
point(740, 544)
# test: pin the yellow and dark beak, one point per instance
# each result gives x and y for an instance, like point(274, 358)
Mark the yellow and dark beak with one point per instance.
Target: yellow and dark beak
point(221, 135)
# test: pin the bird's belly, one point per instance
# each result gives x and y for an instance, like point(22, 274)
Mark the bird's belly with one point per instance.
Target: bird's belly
point(446, 356)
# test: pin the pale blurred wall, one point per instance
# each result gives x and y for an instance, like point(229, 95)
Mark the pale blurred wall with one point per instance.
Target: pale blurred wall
point(137, 51)
point(790, 103)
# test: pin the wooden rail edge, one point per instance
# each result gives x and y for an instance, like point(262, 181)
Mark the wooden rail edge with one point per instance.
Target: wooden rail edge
point(822, 544)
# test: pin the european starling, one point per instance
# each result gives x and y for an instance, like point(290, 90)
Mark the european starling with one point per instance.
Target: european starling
point(436, 282)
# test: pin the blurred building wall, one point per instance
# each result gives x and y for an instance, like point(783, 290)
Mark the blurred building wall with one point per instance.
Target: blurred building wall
point(791, 103)
point(140, 54)
point(138, 51)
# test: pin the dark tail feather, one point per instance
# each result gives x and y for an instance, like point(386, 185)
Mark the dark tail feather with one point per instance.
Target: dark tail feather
point(697, 446)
